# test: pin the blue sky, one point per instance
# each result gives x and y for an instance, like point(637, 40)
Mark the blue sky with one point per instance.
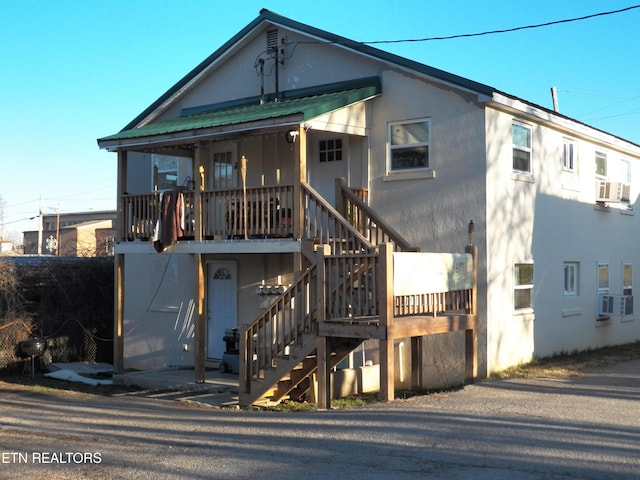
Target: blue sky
point(74, 71)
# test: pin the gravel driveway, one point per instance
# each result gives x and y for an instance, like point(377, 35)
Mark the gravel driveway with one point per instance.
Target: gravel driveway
point(585, 427)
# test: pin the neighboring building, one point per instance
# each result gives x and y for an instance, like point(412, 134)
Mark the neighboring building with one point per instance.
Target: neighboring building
point(6, 247)
point(81, 234)
point(294, 108)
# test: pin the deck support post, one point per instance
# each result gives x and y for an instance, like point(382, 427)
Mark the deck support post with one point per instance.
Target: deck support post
point(471, 335)
point(200, 322)
point(417, 345)
point(387, 351)
point(118, 331)
point(323, 354)
point(323, 373)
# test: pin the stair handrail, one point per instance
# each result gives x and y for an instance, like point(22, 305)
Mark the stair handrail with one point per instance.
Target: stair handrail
point(301, 318)
point(354, 206)
point(319, 227)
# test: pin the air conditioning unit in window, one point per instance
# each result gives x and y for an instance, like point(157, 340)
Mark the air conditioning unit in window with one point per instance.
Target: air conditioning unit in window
point(606, 305)
point(624, 305)
point(612, 192)
point(618, 305)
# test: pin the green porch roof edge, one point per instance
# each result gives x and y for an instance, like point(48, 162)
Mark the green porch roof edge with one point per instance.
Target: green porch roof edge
point(308, 107)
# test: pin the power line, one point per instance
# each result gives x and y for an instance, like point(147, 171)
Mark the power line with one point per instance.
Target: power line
point(506, 30)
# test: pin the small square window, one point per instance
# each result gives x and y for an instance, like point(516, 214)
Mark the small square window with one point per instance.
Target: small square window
point(330, 150)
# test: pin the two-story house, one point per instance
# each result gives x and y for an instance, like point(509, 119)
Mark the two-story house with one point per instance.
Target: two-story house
point(288, 138)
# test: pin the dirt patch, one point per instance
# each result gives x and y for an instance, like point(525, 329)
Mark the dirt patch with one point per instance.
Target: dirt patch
point(573, 364)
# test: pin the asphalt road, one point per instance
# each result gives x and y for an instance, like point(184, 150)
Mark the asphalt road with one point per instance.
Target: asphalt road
point(585, 427)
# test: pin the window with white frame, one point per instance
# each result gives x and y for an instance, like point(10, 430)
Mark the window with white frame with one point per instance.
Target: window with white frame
point(625, 177)
point(571, 278)
point(523, 286)
point(603, 278)
point(521, 138)
point(569, 155)
point(627, 279)
point(601, 164)
point(409, 144)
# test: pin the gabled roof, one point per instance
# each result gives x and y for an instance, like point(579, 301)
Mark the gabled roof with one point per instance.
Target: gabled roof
point(273, 18)
point(137, 127)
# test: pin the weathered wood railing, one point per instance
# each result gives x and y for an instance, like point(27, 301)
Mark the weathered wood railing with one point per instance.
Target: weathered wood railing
point(366, 221)
point(326, 226)
point(139, 215)
point(269, 212)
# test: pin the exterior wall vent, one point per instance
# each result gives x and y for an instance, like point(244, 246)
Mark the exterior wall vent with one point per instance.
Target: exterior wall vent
point(272, 40)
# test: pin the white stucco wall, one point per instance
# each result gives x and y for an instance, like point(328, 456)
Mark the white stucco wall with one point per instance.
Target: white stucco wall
point(160, 310)
point(550, 219)
point(433, 213)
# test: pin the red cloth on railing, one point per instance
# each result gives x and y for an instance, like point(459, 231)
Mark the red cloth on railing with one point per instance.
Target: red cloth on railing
point(170, 225)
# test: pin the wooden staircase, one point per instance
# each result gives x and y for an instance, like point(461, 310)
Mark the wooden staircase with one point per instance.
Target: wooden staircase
point(279, 349)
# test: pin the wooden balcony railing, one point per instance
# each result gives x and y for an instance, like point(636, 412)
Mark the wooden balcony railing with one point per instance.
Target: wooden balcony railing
point(268, 212)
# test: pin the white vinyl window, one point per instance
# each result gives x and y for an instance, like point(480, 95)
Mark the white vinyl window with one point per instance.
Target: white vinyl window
point(601, 164)
point(603, 278)
point(627, 279)
point(571, 278)
point(409, 144)
point(521, 138)
point(523, 286)
point(569, 155)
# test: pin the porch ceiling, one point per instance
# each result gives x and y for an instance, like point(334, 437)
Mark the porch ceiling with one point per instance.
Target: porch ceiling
point(284, 112)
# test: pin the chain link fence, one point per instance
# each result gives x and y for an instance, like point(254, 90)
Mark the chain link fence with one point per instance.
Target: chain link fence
point(67, 301)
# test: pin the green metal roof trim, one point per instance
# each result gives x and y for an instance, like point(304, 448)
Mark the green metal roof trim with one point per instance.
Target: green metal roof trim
point(309, 107)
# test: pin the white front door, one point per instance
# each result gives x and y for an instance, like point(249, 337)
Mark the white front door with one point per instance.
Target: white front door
point(222, 305)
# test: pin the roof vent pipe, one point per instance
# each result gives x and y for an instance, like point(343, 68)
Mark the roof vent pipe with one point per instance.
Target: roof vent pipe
point(554, 97)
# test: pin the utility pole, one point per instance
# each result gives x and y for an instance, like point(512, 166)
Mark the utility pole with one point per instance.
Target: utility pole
point(40, 227)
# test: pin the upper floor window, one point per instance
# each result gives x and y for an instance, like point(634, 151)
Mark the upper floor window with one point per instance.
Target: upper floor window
point(521, 138)
point(601, 164)
point(330, 150)
point(409, 145)
point(569, 155)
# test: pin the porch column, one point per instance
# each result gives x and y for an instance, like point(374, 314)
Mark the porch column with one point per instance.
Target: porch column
point(199, 162)
point(121, 188)
point(118, 320)
point(119, 264)
point(199, 340)
point(300, 175)
point(387, 352)
point(300, 167)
